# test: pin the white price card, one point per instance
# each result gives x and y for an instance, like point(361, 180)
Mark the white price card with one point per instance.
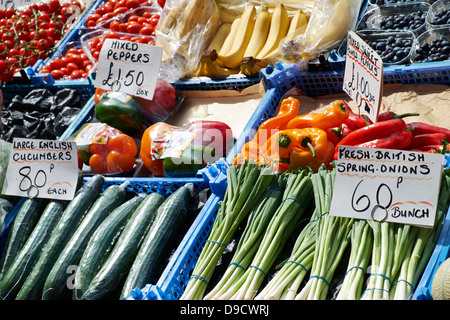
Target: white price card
point(387, 185)
point(42, 169)
point(363, 77)
point(128, 67)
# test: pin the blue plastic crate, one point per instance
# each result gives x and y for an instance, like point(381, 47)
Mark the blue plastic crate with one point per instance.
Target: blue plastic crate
point(237, 82)
point(163, 186)
point(175, 276)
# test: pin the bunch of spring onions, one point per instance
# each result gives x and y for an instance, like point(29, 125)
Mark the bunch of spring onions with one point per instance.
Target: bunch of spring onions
point(421, 247)
point(333, 237)
point(251, 237)
point(296, 199)
point(285, 283)
point(361, 241)
point(401, 252)
point(246, 184)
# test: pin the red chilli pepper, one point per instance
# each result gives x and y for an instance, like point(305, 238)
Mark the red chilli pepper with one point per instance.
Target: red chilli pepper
point(379, 130)
point(423, 128)
point(354, 121)
point(392, 115)
point(398, 140)
point(426, 139)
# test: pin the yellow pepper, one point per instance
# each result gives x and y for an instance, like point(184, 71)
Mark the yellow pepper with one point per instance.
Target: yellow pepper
point(329, 118)
point(306, 148)
point(288, 110)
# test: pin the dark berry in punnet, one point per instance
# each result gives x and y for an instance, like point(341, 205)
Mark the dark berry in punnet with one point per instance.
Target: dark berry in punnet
point(441, 17)
point(411, 21)
point(436, 50)
point(392, 49)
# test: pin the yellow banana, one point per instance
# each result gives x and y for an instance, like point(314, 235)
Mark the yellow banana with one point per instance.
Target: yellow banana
point(208, 66)
point(260, 32)
point(229, 39)
point(220, 36)
point(233, 57)
point(297, 26)
point(251, 66)
point(279, 26)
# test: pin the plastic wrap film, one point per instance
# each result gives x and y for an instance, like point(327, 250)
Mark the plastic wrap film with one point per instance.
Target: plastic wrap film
point(185, 28)
point(327, 26)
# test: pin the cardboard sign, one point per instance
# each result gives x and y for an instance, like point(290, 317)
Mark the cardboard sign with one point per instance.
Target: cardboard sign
point(128, 67)
point(363, 77)
point(387, 185)
point(42, 168)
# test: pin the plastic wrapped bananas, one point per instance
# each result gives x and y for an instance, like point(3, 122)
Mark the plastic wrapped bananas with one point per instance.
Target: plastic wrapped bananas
point(250, 42)
point(185, 29)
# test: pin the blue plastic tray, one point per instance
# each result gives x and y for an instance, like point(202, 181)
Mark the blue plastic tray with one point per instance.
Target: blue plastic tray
point(163, 186)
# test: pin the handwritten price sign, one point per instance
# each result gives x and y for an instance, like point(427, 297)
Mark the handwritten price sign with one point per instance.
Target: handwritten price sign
point(128, 67)
point(363, 77)
point(42, 168)
point(387, 185)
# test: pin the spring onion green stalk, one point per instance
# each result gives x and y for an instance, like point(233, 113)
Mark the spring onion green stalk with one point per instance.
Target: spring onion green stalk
point(361, 250)
point(333, 236)
point(286, 282)
point(379, 281)
point(251, 237)
point(296, 199)
point(421, 248)
point(245, 186)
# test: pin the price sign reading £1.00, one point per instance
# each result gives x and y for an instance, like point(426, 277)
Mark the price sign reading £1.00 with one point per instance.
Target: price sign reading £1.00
point(363, 77)
point(128, 67)
point(42, 169)
point(387, 185)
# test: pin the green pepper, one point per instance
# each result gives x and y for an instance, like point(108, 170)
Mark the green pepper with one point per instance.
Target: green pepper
point(121, 111)
point(193, 158)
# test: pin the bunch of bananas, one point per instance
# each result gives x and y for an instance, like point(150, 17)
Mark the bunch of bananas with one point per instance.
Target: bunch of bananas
point(250, 42)
point(186, 29)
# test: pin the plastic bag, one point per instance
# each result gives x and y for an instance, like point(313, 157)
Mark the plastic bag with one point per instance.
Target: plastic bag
point(131, 114)
point(5, 149)
point(174, 151)
point(231, 9)
point(327, 26)
point(105, 149)
point(185, 28)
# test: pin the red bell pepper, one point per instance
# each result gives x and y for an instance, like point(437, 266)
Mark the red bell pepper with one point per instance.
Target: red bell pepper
point(215, 134)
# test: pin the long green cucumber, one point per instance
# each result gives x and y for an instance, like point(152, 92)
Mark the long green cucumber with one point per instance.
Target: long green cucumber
point(22, 226)
point(56, 284)
point(101, 244)
point(122, 255)
point(156, 246)
point(71, 217)
point(22, 264)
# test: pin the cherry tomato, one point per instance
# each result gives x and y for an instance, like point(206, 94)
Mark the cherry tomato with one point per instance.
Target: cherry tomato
point(57, 74)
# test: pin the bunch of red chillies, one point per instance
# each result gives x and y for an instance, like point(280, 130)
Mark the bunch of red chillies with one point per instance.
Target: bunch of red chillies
point(392, 132)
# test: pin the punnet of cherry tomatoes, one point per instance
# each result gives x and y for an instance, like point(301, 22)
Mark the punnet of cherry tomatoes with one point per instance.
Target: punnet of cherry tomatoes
point(112, 8)
point(136, 24)
point(29, 34)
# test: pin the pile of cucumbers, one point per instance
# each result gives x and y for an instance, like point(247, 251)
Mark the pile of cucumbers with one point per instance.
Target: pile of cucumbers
point(102, 241)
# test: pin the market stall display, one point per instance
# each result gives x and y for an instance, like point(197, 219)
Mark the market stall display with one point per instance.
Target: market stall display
point(220, 186)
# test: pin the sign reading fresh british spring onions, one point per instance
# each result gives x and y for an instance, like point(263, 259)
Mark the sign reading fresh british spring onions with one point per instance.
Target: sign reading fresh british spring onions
point(387, 185)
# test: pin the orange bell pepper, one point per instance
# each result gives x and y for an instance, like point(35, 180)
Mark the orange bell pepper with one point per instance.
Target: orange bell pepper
point(329, 118)
point(114, 153)
point(307, 148)
point(288, 110)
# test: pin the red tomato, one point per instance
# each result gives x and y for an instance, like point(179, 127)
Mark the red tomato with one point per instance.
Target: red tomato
point(146, 31)
point(56, 64)
point(72, 66)
point(57, 74)
point(2, 66)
